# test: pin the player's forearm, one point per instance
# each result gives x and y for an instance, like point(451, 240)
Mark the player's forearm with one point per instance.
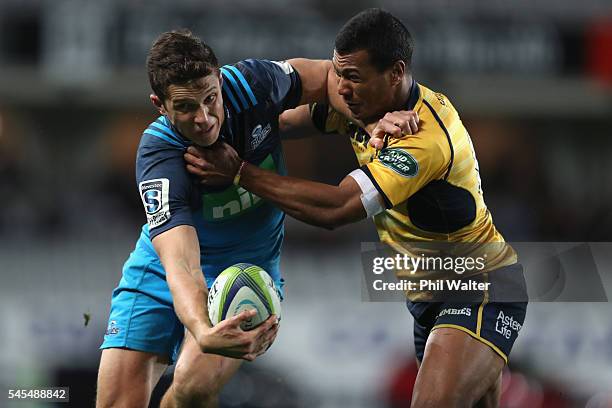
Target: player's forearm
point(179, 252)
point(314, 203)
point(189, 294)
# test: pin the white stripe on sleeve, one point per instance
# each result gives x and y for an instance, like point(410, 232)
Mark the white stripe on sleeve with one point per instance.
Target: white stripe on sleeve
point(371, 199)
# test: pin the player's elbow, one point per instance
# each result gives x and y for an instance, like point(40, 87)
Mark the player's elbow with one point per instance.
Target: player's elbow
point(285, 123)
point(329, 225)
point(346, 210)
point(324, 218)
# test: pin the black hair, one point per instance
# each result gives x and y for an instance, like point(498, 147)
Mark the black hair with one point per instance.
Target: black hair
point(383, 36)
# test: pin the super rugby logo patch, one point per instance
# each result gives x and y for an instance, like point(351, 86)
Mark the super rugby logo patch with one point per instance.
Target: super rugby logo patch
point(400, 161)
point(154, 196)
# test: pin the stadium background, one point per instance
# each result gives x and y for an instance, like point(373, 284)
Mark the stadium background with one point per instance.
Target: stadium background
point(532, 81)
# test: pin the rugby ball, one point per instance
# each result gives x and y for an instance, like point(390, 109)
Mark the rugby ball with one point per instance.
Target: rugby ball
point(242, 287)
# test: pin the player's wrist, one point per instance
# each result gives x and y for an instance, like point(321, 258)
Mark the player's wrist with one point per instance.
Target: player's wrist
point(203, 338)
point(239, 172)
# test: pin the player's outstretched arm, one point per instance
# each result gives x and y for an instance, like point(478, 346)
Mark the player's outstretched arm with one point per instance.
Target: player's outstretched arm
point(314, 76)
point(318, 204)
point(320, 84)
point(298, 123)
point(179, 251)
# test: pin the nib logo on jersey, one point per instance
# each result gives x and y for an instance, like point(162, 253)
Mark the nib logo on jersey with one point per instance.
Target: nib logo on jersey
point(234, 201)
point(505, 324)
point(154, 196)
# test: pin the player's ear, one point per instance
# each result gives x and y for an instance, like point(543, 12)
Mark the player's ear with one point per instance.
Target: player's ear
point(157, 102)
point(220, 79)
point(397, 72)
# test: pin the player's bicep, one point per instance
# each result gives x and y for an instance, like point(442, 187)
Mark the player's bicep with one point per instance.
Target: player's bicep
point(313, 75)
point(320, 84)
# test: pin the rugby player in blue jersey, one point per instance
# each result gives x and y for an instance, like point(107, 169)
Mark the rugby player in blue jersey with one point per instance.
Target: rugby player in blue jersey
point(194, 232)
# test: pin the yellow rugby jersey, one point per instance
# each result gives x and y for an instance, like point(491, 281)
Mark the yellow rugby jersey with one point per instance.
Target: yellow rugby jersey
point(430, 181)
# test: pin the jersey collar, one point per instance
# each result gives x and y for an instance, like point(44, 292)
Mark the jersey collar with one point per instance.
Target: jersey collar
point(176, 132)
point(415, 94)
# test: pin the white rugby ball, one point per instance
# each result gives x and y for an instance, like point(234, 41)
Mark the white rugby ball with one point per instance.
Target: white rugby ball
point(242, 287)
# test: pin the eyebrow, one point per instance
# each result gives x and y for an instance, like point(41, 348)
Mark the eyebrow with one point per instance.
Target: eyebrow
point(188, 99)
point(183, 100)
point(344, 71)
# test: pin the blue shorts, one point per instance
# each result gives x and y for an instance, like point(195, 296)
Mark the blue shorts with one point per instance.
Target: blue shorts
point(142, 314)
point(494, 322)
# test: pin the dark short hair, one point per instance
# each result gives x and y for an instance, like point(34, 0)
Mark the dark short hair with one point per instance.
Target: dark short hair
point(178, 58)
point(379, 33)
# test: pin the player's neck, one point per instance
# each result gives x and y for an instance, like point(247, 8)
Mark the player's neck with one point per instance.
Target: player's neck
point(402, 94)
point(398, 102)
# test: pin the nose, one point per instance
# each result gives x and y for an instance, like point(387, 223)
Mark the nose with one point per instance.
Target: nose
point(201, 116)
point(344, 88)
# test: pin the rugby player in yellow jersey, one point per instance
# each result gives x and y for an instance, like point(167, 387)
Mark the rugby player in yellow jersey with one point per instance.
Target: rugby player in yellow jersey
point(422, 188)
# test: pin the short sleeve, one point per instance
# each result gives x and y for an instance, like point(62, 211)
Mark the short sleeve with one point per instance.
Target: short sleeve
point(405, 166)
point(276, 80)
point(164, 185)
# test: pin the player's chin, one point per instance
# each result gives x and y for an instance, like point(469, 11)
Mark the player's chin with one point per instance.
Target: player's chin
point(355, 116)
point(207, 139)
point(356, 111)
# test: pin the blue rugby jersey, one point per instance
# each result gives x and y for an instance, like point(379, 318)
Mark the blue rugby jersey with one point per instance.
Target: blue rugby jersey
point(232, 224)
